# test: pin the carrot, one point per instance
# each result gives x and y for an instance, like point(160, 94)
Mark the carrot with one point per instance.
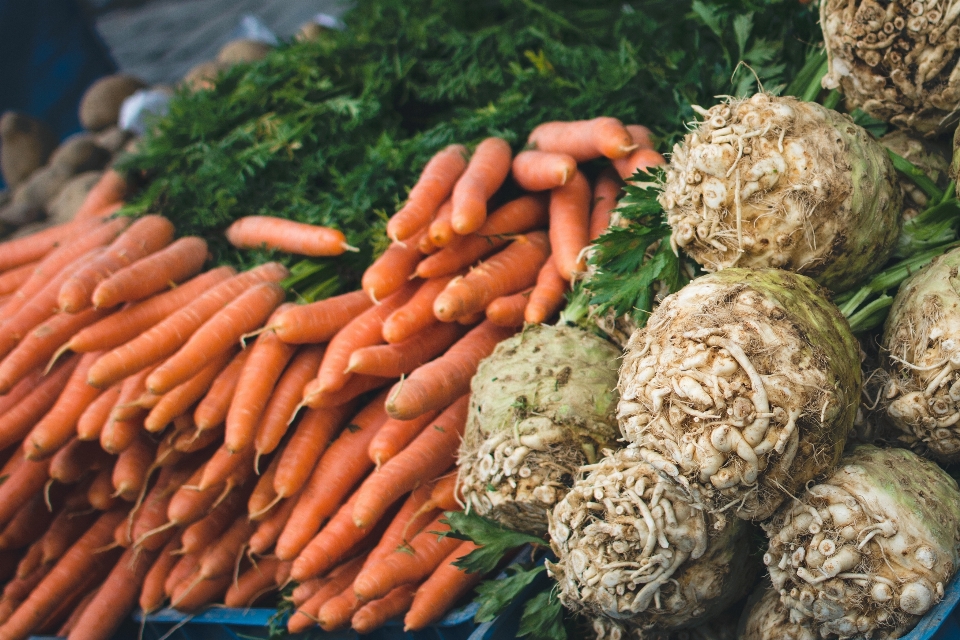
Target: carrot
point(394, 435)
point(185, 566)
point(191, 439)
point(373, 615)
point(486, 171)
point(342, 465)
point(59, 424)
point(151, 529)
point(145, 236)
point(108, 191)
point(91, 422)
point(268, 357)
point(131, 321)
point(395, 360)
point(34, 247)
point(12, 279)
point(152, 274)
point(446, 495)
point(569, 225)
point(217, 335)
point(641, 136)
point(430, 453)
point(308, 442)
point(116, 598)
point(426, 245)
point(19, 588)
point(252, 584)
point(188, 504)
point(118, 434)
point(285, 398)
point(282, 576)
point(270, 527)
point(28, 563)
point(438, 383)
point(413, 563)
point(416, 314)
point(131, 390)
point(178, 400)
point(68, 574)
point(606, 195)
point(340, 578)
point(441, 231)
point(541, 170)
point(17, 421)
point(76, 459)
point(363, 331)
point(305, 590)
point(221, 558)
point(318, 321)
point(66, 528)
point(640, 160)
point(513, 269)
point(288, 236)
point(264, 497)
point(330, 546)
point(431, 190)
point(356, 387)
point(441, 590)
point(508, 311)
point(195, 594)
point(212, 409)
point(584, 139)
point(163, 340)
point(335, 614)
point(151, 593)
point(132, 466)
point(520, 215)
point(27, 524)
point(100, 491)
point(392, 269)
point(222, 464)
point(548, 294)
point(202, 533)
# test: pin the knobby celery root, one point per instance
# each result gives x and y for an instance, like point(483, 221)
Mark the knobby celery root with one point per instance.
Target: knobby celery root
point(743, 386)
point(542, 404)
point(776, 182)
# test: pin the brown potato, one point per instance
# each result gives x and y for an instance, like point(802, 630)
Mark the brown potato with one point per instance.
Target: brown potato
point(100, 105)
point(25, 145)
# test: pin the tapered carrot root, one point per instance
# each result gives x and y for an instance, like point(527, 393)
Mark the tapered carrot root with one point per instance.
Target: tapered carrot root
point(109, 191)
point(641, 160)
point(336, 612)
point(178, 400)
point(34, 247)
point(255, 232)
point(318, 321)
point(130, 471)
point(27, 524)
point(508, 311)
point(285, 398)
point(199, 535)
point(641, 136)
point(91, 422)
point(270, 527)
point(395, 360)
point(154, 273)
point(512, 270)
point(151, 593)
point(438, 383)
point(416, 314)
point(315, 430)
point(431, 190)
point(548, 294)
point(330, 546)
point(339, 579)
point(606, 194)
point(441, 590)
point(212, 409)
point(486, 171)
point(373, 615)
point(357, 386)
point(569, 225)
point(253, 583)
point(395, 434)
point(584, 139)
point(76, 459)
point(11, 280)
point(17, 421)
point(392, 269)
point(540, 170)
point(441, 231)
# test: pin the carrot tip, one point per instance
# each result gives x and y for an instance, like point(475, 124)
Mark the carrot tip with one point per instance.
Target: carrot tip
point(349, 247)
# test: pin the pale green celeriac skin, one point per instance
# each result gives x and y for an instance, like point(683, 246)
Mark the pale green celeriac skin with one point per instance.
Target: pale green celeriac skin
point(541, 405)
point(868, 550)
point(777, 182)
point(743, 385)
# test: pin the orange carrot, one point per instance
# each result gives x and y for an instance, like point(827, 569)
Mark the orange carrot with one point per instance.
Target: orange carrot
point(151, 593)
point(76, 459)
point(584, 139)
point(640, 160)
point(217, 335)
point(100, 491)
point(149, 530)
point(548, 294)
point(303, 591)
point(222, 464)
point(285, 398)
point(392, 269)
point(416, 314)
point(145, 236)
point(486, 171)
point(12, 279)
point(212, 410)
point(178, 400)
point(221, 558)
point(438, 383)
point(270, 527)
point(441, 590)
point(131, 390)
point(513, 269)
point(431, 190)
point(196, 593)
point(520, 215)
point(606, 195)
point(66, 528)
point(199, 535)
point(188, 504)
point(441, 231)
point(21, 390)
point(252, 584)
point(508, 311)
point(91, 422)
point(131, 321)
point(132, 466)
point(356, 387)
point(446, 495)
point(430, 453)
point(163, 339)
point(264, 497)
point(185, 566)
point(343, 464)
point(569, 225)
point(540, 170)
point(330, 546)
point(34, 247)
point(152, 274)
point(413, 563)
point(27, 524)
point(339, 579)
point(24, 479)
point(108, 191)
point(256, 232)
point(116, 598)
point(363, 331)
point(60, 423)
point(395, 434)
point(188, 438)
point(426, 245)
point(395, 360)
point(314, 431)
point(641, 136)
point(373, 615)
point(336, 612)
point(318, 321)
point(17, 421)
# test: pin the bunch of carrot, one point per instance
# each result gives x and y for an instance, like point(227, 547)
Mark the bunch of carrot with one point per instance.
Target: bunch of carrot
point(207, 441)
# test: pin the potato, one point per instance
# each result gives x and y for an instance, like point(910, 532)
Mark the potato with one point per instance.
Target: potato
point(25, 145)
point(202, 76)
point(112, 139)
point(243, 50)
point(100, 105)
point(65, 204)
point(80, 153)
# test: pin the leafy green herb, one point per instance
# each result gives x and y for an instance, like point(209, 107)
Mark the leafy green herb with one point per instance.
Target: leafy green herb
point(494, 596)
point(494, 541)
point(543, 618)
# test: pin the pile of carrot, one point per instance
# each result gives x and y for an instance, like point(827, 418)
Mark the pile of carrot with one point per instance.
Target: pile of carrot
point(173, 436)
